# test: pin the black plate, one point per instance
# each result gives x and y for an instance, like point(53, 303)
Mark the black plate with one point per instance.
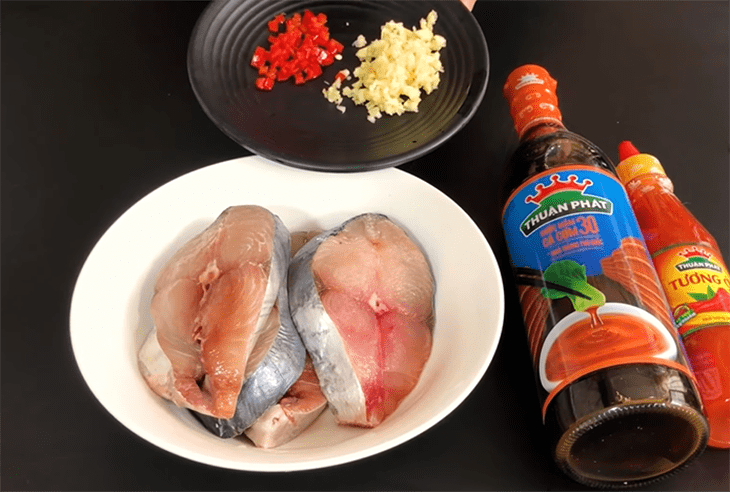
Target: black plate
point(296, 125)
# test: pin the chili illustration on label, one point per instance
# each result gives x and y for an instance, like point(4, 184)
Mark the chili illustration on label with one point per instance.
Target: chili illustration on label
point(697, 287)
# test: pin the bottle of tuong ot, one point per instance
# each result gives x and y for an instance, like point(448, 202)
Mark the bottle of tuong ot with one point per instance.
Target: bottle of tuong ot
point(618, 398)
point(695, 280)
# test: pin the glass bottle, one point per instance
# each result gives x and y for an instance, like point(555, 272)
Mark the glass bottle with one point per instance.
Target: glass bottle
point(618, 398)
point(695, 280)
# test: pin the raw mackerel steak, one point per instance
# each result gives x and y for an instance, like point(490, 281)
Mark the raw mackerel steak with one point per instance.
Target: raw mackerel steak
point(362, 297)
point(212, 310)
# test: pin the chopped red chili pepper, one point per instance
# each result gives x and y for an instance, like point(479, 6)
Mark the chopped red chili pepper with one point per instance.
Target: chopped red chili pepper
point(259, 57)
point(300, 51)
point(334, 46)
point(308, 17)
point(276, 22)
point(264, 83)
point(341, 75)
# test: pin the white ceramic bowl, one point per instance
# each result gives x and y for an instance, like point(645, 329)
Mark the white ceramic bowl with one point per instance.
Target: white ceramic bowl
point(609, 308)
point(110, 317)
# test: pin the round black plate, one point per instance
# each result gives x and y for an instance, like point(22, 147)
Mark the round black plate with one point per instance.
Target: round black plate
point(296, 125)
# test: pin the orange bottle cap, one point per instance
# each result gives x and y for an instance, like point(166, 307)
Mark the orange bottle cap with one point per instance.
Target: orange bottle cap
point(633, 164)
point(530, 92)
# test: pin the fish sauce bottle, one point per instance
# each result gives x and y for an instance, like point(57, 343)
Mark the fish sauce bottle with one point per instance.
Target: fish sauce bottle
point(695, 280)
point(619, 401)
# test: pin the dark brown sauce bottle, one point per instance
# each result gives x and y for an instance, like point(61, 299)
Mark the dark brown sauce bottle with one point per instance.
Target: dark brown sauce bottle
point(628, 414)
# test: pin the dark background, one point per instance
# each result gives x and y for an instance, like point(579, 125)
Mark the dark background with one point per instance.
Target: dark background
point(97, 112)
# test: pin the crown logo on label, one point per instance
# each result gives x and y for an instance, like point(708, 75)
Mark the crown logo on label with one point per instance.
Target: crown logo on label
point(694, 252)
point(556, 186)
point(527, 79)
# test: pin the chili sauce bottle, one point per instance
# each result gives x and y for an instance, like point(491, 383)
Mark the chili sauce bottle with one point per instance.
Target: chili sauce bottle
point(694, 277)
point(619, 401)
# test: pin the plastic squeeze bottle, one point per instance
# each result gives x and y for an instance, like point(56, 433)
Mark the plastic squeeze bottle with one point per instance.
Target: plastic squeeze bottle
point(694, 277)
point(618, 397)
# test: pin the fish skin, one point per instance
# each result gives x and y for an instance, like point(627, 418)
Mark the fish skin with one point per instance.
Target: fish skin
point(321, 337)
point(297, 410)
point(197, 352)
point(337, 368)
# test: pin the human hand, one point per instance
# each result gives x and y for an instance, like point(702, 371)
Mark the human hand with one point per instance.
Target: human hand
point(469, 3)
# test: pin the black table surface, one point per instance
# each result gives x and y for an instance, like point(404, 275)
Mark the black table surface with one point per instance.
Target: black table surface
point(97, 111)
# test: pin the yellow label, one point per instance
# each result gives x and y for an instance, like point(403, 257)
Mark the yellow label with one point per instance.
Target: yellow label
point(697, 286)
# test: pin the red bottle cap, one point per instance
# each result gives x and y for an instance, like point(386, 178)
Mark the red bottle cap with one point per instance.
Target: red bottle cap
point(530, 92)
point(633, 163)
point(626, 149)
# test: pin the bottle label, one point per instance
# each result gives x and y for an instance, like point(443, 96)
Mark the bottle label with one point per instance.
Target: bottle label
point(697, 286)
point(589, 294)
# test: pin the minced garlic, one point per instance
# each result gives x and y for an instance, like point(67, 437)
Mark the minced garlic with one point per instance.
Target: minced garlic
point(396, 67)
point(360, 42)
point(332, 93)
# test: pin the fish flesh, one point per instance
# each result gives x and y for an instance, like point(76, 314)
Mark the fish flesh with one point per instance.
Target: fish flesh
point(275, 364)
point(212, 302)
point(362, 297)
point(297, 410)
